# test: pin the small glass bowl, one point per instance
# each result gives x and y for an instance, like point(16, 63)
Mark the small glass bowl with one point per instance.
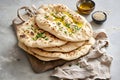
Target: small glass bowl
point(99, 17)
point(85, 6)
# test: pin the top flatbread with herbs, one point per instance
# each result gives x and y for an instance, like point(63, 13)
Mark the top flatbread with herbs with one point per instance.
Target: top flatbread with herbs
point(64, 23)
point(31, 35)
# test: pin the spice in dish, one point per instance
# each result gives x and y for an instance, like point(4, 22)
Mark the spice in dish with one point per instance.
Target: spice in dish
point(99, 17)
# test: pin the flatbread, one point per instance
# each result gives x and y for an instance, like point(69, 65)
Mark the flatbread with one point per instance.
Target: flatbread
point(66, 47)
point(31, 35)
point(66, 56)
point(63, 23)
point(69, 46)
point(25, 48)
point(79, 52)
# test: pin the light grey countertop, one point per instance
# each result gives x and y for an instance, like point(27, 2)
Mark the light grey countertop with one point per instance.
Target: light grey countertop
point(13, 62)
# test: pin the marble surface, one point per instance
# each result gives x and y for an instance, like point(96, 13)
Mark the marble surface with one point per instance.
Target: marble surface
point(13, 62)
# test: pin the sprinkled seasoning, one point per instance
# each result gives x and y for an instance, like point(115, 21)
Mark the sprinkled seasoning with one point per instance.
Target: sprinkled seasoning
point(99, 17)
point(46, 17)
point(32, 25)
point(65, 32)
point(63, 17)
point(46, 38)
point(67, 25)
point(58, 23)
point(60, 20)
point(60, 28)
point(40, 35)
point(76, 28)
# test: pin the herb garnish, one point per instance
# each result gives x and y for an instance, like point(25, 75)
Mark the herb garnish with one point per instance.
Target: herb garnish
point(46, 38)
point(60, 28)
point(63, 17)
point(46, 16)
point(65, 32)
point(54, 15)
point(67, 25)
point(58, 23)
point(76, 27)
point(40, 35)
point(32, 25)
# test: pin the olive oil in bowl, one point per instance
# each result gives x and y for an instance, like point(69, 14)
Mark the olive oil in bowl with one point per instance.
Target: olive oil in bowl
point(86, 6)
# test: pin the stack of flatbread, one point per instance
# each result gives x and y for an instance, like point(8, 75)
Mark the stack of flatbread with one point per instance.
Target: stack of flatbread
point(54, 33)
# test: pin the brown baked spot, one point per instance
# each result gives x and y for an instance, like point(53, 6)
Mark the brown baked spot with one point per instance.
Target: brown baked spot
point(22, 36)
point(32, 33)
point(26, 23)
point(36, 24)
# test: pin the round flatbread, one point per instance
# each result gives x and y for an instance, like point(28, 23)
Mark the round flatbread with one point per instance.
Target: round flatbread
point(25, 48)
point(79, 52)
point(31, 35)
point(66, 56)
point(66, 47)
point(63, 23)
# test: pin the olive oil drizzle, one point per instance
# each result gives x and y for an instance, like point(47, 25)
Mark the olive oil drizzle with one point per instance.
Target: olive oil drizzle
point(58, 20)
point(70, 16)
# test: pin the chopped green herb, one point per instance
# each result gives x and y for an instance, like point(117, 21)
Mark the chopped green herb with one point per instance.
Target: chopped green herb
point(67, 25)
point(34, 38)
point(54, 15)
point(76, 27)
point(63, 17)
point(46, 38)
point(76, 22)
point(46, 17)
point(58, 23)
point(60, 28)
point(32, 25)
point(40, 35)
point(65, 32)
